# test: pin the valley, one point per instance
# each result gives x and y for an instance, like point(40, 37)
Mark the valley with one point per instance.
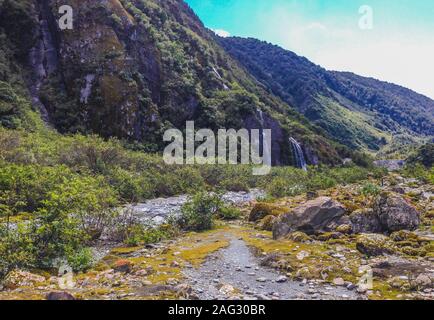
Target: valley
point(144, 157)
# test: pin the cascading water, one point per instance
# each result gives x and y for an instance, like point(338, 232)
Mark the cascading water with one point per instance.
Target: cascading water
point(298, 154)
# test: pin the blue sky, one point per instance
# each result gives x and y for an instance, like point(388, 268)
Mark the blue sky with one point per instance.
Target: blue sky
point(399, 48)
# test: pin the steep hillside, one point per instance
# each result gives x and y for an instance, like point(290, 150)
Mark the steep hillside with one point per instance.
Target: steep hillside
point(359, 112)
point(134, 68)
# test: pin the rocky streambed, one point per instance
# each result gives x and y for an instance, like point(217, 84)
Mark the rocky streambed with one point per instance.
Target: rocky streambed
point(236, 273)
point(156, 211)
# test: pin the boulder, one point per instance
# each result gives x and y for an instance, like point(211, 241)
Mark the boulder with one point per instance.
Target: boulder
point(65, 296)
point(423, 281)
point(365, 221)
point(312, 217)
point(298, 236)
point(122, 266)
point(395, 213)
point(261, 210)
point(21, 278)
point(345, 229)
point(267, 223)
point(375, 244)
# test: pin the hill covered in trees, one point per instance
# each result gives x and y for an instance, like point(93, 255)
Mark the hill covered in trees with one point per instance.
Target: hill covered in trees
point(132, 69)
point(359, 112)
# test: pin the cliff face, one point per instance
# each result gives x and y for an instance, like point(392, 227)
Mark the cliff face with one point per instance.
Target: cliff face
point(134, 68)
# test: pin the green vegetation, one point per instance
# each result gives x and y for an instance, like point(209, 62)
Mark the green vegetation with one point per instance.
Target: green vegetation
point(424, 155)
point(370, 190)
point(199, 211)
point(288, 181)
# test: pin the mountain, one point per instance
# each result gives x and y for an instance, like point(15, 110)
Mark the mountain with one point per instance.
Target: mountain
point(132, 69)
point(359, 112)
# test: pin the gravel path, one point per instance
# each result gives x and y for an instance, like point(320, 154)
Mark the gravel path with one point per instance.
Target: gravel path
point(235, 273)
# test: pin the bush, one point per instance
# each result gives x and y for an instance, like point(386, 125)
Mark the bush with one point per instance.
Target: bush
point(16, 249)
point(140, 234)
point(198, 212)
point(424, 156)
point(280, 187)
point(419, 172)
point(229, 213)
point(67, 210)
point(80, 260)
point(370, 190)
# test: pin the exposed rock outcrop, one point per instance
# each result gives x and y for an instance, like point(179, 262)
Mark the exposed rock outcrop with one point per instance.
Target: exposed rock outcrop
point(365, 221)
point(395, 213)
point(313, 216)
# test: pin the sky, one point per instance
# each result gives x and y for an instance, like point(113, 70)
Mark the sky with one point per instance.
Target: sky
point(390, 40)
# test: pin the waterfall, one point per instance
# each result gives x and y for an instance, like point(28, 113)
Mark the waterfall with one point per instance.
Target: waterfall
point(298, 154)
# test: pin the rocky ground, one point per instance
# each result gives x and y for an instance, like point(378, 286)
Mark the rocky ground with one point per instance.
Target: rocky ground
point(342, 243)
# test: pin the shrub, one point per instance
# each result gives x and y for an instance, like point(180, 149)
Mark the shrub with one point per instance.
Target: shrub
point(281, 187)
point(370, 190)
point(16, 249)
point(93, 153)
point(424, 156)
point(197, 213)
point(229, 213)
point(419, 172)
point(141, 234)
point(80, 260)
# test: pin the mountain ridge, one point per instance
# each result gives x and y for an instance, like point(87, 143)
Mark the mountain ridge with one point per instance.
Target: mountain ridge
point(371, 112)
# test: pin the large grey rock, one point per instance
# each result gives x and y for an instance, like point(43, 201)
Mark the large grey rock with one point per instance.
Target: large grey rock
point(365, 221)
point(395, 213)
point(311, 217)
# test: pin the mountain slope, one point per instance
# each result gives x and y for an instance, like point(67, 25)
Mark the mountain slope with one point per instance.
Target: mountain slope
point(359, 112)
point(134, 68)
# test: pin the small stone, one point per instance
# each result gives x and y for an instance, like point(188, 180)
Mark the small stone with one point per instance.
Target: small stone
point(351, 286)
point(339, 282)
point(262, 279)
point(302, 254)
point(174, 264)
point(227, 289)
point(423, 281)
point(281, 279)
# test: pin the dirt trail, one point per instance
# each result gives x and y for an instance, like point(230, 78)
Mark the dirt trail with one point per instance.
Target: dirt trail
point(235, 273)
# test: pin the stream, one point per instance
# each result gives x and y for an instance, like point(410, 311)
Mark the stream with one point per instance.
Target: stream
point(156, 211)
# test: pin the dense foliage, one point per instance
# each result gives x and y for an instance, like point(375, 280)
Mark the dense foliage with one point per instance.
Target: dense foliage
point(424, 155)
point(58, 193)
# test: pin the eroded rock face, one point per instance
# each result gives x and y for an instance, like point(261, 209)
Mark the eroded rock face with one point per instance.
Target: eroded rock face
point(313, 216)
point(395, 213)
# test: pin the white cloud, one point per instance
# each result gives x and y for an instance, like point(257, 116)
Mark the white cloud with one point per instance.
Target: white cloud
point(401, 57)
point(221, 33)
